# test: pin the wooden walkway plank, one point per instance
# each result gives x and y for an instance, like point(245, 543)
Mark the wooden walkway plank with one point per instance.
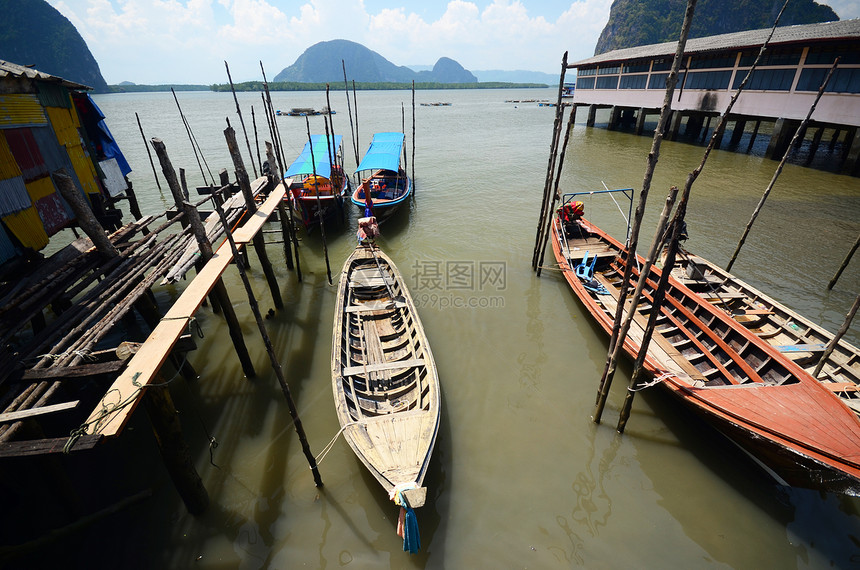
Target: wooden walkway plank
point(111, 414)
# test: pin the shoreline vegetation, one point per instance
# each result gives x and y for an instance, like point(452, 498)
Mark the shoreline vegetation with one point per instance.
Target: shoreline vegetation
point(255, 86)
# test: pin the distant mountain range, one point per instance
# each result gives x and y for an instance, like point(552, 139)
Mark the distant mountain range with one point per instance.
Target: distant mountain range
point(323, 62)
point(32, 32)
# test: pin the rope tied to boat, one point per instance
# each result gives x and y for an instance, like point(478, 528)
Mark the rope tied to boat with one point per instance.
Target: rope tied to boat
point(652, 383)
point(319, 458)
point(407, 521)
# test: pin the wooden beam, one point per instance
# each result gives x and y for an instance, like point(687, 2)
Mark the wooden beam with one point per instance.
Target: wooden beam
point(81, 371)
point(46, 446)
point(123, 397)
point(21, 414)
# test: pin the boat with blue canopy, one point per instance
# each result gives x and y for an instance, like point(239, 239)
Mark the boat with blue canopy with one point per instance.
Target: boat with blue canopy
point(317, 187)
point(384, 184)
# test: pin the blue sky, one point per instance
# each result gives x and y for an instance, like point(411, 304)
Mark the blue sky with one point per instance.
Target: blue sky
point(187, 41)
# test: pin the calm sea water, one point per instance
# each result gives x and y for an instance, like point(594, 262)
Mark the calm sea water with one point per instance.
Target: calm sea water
point(521, 476)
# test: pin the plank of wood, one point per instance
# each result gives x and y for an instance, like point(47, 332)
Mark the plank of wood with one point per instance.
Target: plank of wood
point(370, 282)
point(841, 386)
point(46, 446)
point(353, 370)
point(374, 306)
point(41, 410)
point(111, 413)
point(801, 347)
point(82, 371)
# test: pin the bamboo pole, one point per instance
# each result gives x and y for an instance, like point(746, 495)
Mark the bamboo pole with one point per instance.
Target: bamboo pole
point(548, 222)
point(349, 112)
point(219, 290)
point(259, 245)
point(413, 137)
point(86, 219)
point(656, 306)
point(839, 334)
point(191, 138)
point(279, 153)
point(319, 202)
point(241, 120)
point(550, 167)
point(273, 359)
point(282, 212)
point(844, 264)
point(800, 129)
point(617, 341)
point(256, 138)
point(403, 129)
point(355, 106)
point(151, 163)
point(633, 237)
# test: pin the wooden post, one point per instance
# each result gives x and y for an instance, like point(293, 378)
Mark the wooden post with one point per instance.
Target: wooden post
point(550, 169)
point(148, 153)
point(259, 245)
point(273, 359)
point(555, 196)
point(349, 112)
point(616, 340)
point(86, 220)
point(355, 106)
point(779, 168)
point(219, 291)
point(842, 330)
point(174, 451)
point(191, 138)
point(283, 215)
point(413, 137)
point(656, 306)
point(241, 120)
point(844, 264)
point(319, 202)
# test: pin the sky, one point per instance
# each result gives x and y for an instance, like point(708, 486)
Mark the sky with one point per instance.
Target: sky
point(188, 41)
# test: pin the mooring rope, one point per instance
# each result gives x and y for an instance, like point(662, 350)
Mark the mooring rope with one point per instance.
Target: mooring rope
point(652, 383)
point(319, 458)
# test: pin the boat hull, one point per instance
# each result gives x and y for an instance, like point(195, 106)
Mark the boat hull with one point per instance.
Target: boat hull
point(765, 404)
point(384, 378)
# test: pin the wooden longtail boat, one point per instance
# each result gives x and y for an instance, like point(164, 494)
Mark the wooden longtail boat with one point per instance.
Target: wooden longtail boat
point(324, 190)
point(794, 427)
point(382, 178)
point(795, 336)
point(386, 389)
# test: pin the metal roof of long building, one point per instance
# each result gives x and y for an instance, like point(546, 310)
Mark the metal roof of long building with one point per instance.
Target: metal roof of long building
point(9, 69)
point(841, 30)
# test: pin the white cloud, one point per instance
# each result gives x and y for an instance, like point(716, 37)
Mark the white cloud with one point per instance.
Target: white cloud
point(186, 41)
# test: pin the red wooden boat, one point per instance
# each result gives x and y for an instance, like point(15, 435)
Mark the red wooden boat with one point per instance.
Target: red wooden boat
point(797, 429)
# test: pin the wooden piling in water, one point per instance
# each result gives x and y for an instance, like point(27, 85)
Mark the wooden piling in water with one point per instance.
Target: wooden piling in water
point(349, 112)
point(319, 202)
point(174, 451)
point(273, 359)
point(219, 291)
point(241, 120)
point(259, 245)
point(839, 334)
point(844, 264)
point(84, 214)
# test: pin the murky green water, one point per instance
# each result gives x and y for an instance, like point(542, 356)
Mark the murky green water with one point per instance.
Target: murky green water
point(521, 477)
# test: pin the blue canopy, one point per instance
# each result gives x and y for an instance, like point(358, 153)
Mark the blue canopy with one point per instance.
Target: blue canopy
point(384, 152)
point(303, 165)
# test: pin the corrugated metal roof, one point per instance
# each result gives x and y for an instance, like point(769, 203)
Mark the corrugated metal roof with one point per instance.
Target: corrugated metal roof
point(844, 30)
point(21, 109)
point(53, 95)
point(13, 196)
point(27, 226)
point(9, 69)
point(8, 165)
point(26, 151)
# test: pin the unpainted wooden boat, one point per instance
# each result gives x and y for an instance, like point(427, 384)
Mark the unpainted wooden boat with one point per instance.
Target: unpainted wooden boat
point(795, 336)
point(316, 185)
point(794, 427)
point(383, 180)
point(386, 388)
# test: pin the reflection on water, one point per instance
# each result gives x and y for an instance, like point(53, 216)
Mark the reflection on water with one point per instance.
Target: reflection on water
point(520, 476)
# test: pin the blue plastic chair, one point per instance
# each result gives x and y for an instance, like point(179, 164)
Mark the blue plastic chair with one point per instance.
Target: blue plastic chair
point(584, 271)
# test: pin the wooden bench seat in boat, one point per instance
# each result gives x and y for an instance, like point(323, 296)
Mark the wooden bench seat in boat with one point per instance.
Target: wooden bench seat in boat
point(801, 347)
point(375, 306)
point(354, 370)
point(841, 386)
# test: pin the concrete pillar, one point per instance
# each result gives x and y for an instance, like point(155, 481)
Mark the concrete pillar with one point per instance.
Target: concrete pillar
point(753, 135)
point(851, 161)
point(640, 120)
point(614, 117)
point(813, 147)
point(592, 112)
point(674, 126)
point(694, 125)
point(783, 130)
point(737, 132)
point(834, 139)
